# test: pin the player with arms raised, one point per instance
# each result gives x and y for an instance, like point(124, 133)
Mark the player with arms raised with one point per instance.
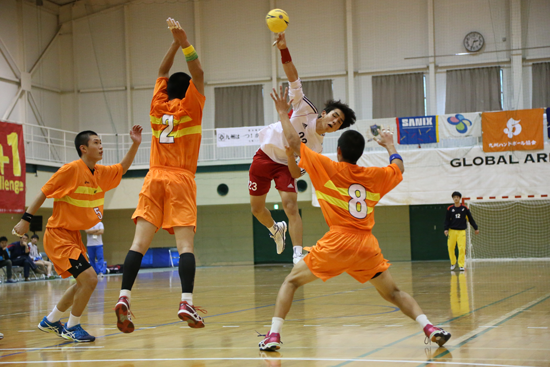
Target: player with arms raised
point(78, 189)
point(168, 198)
point(347, 194)
point(271, 162)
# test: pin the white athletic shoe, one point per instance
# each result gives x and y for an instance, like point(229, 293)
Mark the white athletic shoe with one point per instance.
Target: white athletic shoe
point(279, 236)
point(461, 269)
point(453, 267)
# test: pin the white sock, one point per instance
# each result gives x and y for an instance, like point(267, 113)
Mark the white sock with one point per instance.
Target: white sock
point(125, 293)
point(73, 320)
point(187, 297)
point(297, 251)
point(55, 315)
point(276, 325)
point(273, 229)
point(423, 321)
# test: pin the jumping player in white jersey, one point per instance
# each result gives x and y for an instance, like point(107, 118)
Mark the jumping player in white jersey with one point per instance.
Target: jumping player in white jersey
point(271, 162)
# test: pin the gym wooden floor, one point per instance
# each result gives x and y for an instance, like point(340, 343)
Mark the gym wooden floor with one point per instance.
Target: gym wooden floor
point(498, 314)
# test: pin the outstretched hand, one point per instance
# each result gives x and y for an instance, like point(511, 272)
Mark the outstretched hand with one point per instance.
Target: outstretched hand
point(180, 37)
point(384, 137)
point(281, 104)
point(135, 133)
point(280, 41)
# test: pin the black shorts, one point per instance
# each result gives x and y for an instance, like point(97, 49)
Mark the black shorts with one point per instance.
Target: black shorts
point(78, 266)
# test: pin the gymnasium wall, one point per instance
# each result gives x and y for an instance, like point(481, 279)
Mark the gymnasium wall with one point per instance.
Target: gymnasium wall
point(100, 70)
point(224, 233)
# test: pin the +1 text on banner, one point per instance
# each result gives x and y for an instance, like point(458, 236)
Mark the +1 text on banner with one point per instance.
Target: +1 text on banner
point(12, 168)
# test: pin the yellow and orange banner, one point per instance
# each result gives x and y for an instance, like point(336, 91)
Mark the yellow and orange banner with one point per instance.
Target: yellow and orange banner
point(12, 168)
point(513, 130)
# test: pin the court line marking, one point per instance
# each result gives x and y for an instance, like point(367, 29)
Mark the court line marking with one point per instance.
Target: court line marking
point(497, 322)
point(76, 347)
point(230, 326)
point(444, 322)
point(222, 314)
point(537, 327)
point(267, 358)
point(26, 331)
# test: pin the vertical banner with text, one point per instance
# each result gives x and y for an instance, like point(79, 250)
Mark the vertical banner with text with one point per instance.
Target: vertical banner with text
point(12, 168)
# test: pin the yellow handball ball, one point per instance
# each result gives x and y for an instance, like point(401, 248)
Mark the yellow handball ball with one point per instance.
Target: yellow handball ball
point(277, 20)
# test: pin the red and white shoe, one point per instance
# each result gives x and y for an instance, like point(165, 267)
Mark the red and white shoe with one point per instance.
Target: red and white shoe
point(189, 314)
point(123, 315)
point(436, 335)
point(271, 342)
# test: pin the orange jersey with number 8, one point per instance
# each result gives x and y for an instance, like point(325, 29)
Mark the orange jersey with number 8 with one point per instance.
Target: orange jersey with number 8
point(79, 194)
point(177, 129)
point(347, 193)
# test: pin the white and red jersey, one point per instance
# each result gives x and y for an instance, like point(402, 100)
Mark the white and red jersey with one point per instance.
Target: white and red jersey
point(304, 119)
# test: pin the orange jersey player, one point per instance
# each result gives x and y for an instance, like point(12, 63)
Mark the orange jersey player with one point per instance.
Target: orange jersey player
point(78, 189)
point(347, 194)
point(168, 198)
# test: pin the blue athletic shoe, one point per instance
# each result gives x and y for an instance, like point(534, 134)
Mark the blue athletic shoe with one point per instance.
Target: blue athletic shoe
point(77, 334)
point(51, 327)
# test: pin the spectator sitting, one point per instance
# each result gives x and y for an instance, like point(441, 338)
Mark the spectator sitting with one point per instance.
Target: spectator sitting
point(19, 254)
point(5, 259)
point(37, 258)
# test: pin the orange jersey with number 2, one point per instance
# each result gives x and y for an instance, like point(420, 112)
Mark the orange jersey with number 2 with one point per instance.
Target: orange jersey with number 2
point(79, 194)
point(176, 128)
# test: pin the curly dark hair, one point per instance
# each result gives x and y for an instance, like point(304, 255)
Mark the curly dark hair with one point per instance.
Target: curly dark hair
point(349, 114)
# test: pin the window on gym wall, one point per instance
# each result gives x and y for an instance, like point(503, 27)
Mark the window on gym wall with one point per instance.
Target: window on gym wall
point(541, 83)
point(472, 90)
point(317, 92)
point(239, 106)
point(398, 95)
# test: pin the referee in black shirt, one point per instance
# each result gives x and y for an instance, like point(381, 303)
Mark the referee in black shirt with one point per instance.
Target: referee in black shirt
point(455, 229)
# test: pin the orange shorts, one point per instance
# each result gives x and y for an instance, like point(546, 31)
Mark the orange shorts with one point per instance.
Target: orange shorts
point(61, 245)
point(168, 199)
point(346, 250)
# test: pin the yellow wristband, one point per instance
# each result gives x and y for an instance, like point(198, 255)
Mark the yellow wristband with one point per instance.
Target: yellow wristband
point(188, 50)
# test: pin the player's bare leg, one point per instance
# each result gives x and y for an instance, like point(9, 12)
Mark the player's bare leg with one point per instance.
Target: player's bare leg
point(277, 230)
point(67, 299)
point(85, 286)
point(187, 311)
point(387, 288)
point(295, 227)
point(257, 204)
point(299, 276)
point(86, 283)
point(145, 231)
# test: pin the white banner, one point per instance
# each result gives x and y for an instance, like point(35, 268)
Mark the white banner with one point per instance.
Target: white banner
point(459, 125)
point(431, 175)
point(238, 136)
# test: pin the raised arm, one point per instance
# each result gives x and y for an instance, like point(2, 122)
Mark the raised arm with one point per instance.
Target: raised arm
point(166, 64)
point(288, 65)
point(23, 225)
point(282, 107)
point(385, 139)
point(193, 62)
point(135, 135)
